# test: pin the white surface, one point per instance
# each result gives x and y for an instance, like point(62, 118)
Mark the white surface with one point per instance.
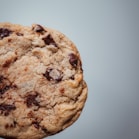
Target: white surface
point(106, 33)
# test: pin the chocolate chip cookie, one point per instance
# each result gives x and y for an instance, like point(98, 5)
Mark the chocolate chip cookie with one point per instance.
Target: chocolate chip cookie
point(42, 90)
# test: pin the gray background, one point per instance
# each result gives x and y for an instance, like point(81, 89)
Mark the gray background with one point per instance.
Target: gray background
point(106, 33)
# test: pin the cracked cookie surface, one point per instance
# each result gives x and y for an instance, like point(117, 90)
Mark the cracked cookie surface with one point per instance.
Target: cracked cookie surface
point(42, 90)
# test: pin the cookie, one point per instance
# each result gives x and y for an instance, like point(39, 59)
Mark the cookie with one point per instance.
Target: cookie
point(42, 90)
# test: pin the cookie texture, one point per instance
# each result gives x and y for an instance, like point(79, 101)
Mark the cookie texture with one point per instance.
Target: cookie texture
point(42, 90)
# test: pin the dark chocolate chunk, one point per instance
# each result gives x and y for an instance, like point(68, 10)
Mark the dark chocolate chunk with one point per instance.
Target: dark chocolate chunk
point(4, 32)
point(5, 85)
point(6, 108)
point(14, 86)
point(31, 100)
point(72, 77)
point(14, 123)
point(4, 89)
point(73, 60)
point(38, 28)
point(36, 124)
point(49, 40)
point(1, 78)
point(47, 74)
point(53, 74)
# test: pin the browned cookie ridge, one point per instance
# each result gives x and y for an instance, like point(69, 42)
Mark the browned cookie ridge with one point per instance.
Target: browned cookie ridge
point(42, 90)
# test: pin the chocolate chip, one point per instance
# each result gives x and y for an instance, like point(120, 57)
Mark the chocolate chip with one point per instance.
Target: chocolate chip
point(53, 74)
point(6, 108)
point(4, 32)
point(1, 78)
point(5, 85)
point(73, 60)
point(38, 28)
point(31, 100)
point(49, 40)
point(72, 77)
point(36, 124)
point(14, 123)
point(4, 89)
point(47, 74)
